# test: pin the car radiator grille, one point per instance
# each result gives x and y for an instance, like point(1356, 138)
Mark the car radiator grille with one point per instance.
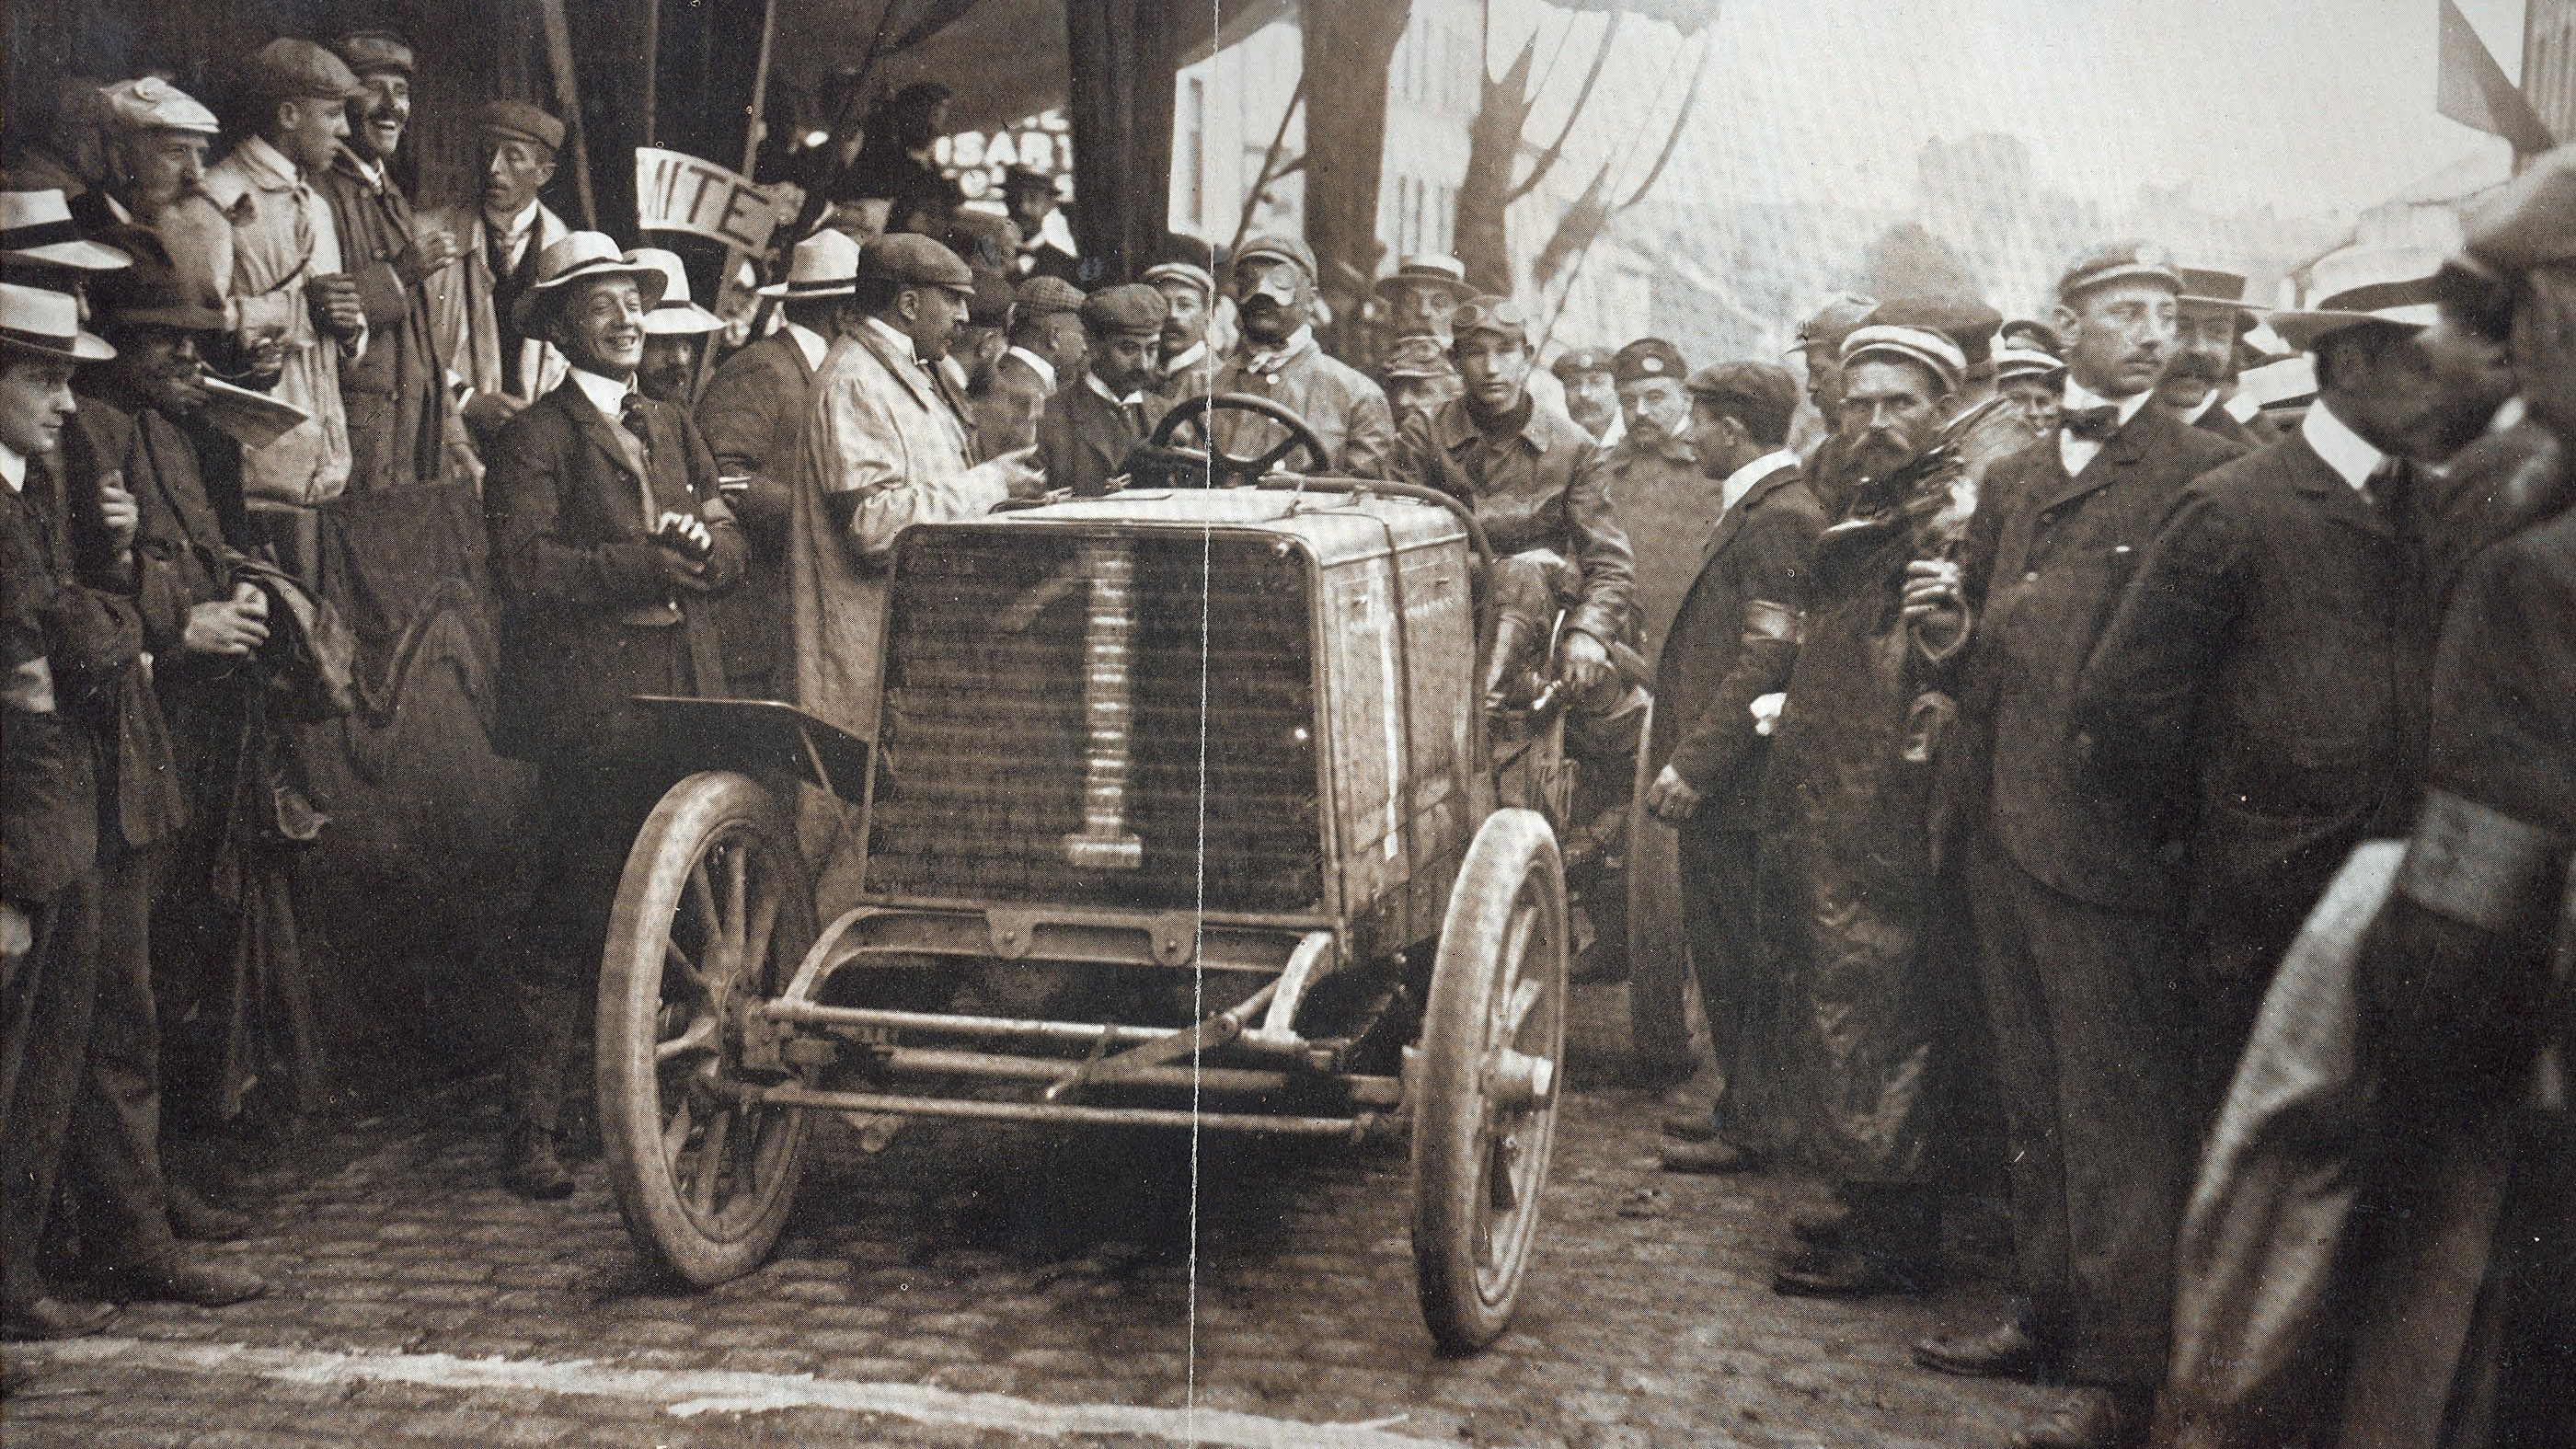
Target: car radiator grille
point(992, 760)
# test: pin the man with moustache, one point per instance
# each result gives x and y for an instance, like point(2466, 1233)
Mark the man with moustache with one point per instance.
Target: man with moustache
point(2076, 905)
point(156, 154)
point(1088, 429)
point(1420, 294)
point(1273, 285)
point(674, 331)
point(403, 427)
point(1591, 392)
point(609, 539)
point(495, 368)
point(1664, 500)
point(1818, 347)
point(2209, 349)
point(1188, 365)
point(1417, 377)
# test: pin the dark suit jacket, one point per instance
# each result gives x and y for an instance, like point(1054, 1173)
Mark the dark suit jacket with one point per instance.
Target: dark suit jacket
point(48, 786)
point(1732, 642)
point(2497, 486)
point(581, 585)
point(2046, 559)
point(753, 416)
point(1083, 438)
point(2267, 671)
point(2256, 434)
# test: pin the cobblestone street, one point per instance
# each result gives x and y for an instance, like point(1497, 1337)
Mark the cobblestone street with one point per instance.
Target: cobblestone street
point(982, 1286)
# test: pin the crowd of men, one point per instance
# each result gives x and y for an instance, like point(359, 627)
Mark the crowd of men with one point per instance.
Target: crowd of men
point(2014, 707)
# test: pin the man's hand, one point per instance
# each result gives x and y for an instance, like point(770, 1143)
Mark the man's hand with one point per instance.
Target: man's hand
point(1019, 472)
point(117, 511)
point(227, 627)
point(485, 412)
point(1671, 799)
point(263, 361)
point(426, 256)
point(335, 305)
point(681, 572)
point(1932, 586)
point(1586, 663)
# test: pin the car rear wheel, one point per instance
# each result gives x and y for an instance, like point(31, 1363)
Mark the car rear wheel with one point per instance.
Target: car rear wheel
point(712, 916)
point(1486, 1079)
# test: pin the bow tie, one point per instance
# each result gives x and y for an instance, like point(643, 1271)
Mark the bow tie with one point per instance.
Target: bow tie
point(2093, 425)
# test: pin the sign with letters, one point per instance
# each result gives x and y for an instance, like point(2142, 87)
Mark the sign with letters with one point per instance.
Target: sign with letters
point(676, 192)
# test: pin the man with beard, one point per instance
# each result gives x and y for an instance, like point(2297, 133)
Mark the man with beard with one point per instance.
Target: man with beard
point(1417, 377)
point(2514, 473)
point(1188, 366)
point(2260, 695)
point(156, 153)
point(1664, 501)
point(1591, 393)
point(403, 428)
point(494, 367)
point(674, 330)
point(1273, 285)
point(1420, 294)
point(1819, 347)
point(2209, 349)
point(1088, 429)
point(608, 539)
point(2075, 905)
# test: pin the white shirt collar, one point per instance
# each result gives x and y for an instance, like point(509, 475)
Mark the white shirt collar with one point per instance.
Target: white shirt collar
point(13, 468)
point(1054, 232)
point(2242, 407)
point(1612, 435)
point(811, 343)
point(2079, 397)
point(371, 172)
point(518, 228)
point(1256, 360)
point(257, 151)
point(2201, 408)
point(1741, 481)
point(1102, 388)
point(608, 394)
point(2345, 451)
point(1039, 365)
point(1187, 357)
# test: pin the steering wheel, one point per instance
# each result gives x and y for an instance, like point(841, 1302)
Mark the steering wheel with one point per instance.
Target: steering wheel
point(1224, 469)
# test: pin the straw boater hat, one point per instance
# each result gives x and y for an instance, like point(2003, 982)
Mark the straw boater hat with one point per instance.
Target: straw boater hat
point(1440, 273)
point(578, 257)
point(825, 264)
point(675, 314)
point(1919, 345)
point(37, 226)
point(2361, 286)
point(47, 323)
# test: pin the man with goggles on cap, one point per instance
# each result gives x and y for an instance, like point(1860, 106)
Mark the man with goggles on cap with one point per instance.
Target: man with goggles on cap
point(1274, 296)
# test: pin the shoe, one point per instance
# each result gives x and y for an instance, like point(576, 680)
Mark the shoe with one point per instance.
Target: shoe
point(178, 1278)
point(2090, 1419)
point(1848, 1273)
point(2009, 1350)
point(48, 1318)
point(1690, 1126)
point(530, 1168)
point(195, 1220)
point(1820, 1227)
point(1713, 1156)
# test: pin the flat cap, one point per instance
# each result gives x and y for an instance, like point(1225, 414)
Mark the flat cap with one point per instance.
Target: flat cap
point(1132, 307)
point(1041, 296)
point(1840, 315)
point(1767, 385)
point(1500, 316)
point(2531, 221)
point(520, 121)
point(1920, 345)
point(1027, 178)
point(1279, 249)
point(992, 304)
point(1969, 323)
point(1417, 356)
point(2032, 334)
point(149, 103)
point(1648, 357)
point(287, 68)
point(915, 260)
point(373, 50)
point(1190, 272)
point(2117, 261)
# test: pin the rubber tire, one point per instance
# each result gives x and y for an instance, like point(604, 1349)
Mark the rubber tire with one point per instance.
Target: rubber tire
point(1449, 1162)
point(690, 816)
point(1660, 1038)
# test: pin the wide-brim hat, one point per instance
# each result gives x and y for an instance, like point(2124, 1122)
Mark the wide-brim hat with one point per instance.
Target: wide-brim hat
point(45, 322)
point(2360, 286)
point(675, 315)
point(37, 226)
point(825, 264)
point(579, 257)
point(1439, 273)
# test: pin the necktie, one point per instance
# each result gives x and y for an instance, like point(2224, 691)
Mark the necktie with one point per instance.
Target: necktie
point(2385, 489)
point(630, 416)
point(2092, 425)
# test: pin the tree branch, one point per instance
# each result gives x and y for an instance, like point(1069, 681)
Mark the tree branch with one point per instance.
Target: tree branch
point(1547, 159)
point(1672, 142)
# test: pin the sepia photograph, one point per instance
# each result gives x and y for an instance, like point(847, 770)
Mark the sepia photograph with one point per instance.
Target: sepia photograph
point(1288, 724)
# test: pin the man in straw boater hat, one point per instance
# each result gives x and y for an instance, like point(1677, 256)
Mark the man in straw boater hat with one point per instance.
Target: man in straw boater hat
point(674, 330)
point(753, 414)
point(1420, 294)
point(2076, 905)
point(92, 771)
point(1088, 428)
point(609, 536)
point(2210, 349)
point(493, 367)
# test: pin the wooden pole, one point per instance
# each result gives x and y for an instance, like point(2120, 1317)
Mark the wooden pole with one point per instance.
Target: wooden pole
point(652, 67)
point(568, 95)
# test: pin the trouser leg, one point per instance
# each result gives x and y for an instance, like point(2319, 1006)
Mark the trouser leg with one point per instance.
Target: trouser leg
point(113, 1156)
point(51, 998)
point(1727, 953)
point(2026, 1079)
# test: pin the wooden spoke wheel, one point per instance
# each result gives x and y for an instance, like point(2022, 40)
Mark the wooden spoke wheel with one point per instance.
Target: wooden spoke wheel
point(1486, 1079)
point(713, 913)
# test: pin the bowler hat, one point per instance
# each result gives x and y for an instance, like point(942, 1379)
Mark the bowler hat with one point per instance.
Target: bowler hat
point(578, 257)
point(37, 226)
point(38, 320)
point(825, 264)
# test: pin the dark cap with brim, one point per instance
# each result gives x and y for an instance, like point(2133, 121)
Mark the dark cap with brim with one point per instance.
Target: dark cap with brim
point(519, 121)
point(291, 69)
point(1132, 309)
point(911, 260)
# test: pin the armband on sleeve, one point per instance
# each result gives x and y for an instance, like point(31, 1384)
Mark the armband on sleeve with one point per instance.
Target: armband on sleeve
point(1767, 622)
point(2479, 866)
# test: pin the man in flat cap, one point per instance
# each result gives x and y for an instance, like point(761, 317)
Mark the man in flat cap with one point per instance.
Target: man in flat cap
point(261, 237)
point(1088, 429)
point(1591, 392)
point(2209, 350)
point(403, 427)
point(609, 540)
point(494, 368)
point(1418, 377)
point(1272, 282)
point(882, 450)
point(1047, 247)
point(2077, 907)
point(1188, 364)
point(158, 141)
point(1045, 354)
point(1733, 639)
